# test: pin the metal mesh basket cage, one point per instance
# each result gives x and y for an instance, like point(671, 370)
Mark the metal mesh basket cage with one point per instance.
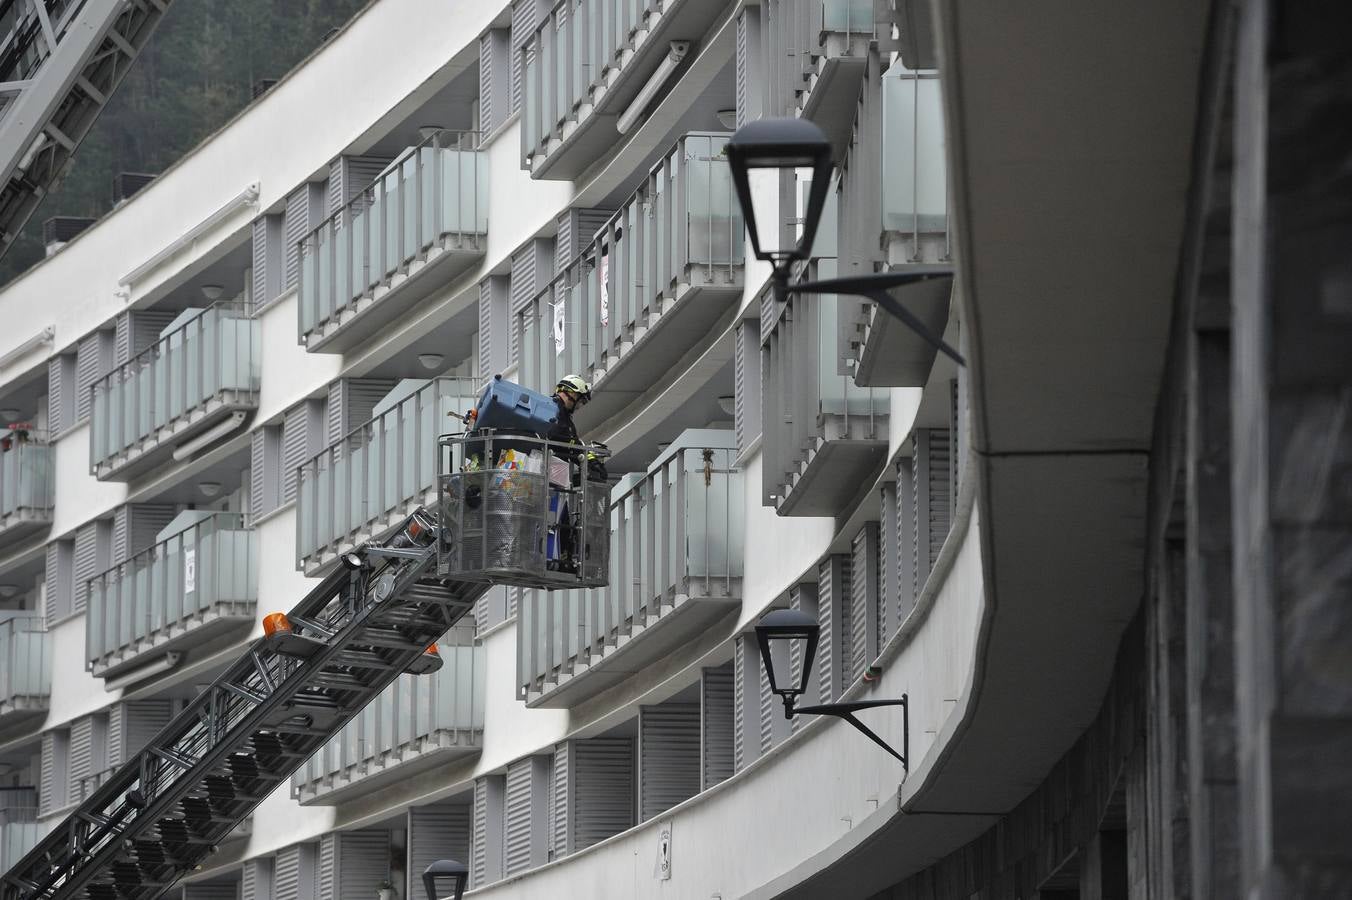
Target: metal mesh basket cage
point(521, 511)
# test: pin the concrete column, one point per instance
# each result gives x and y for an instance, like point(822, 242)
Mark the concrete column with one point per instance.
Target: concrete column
point(1292, 430)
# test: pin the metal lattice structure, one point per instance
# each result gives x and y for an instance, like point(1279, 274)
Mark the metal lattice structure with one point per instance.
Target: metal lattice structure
point(60, 62)
point(168, 807)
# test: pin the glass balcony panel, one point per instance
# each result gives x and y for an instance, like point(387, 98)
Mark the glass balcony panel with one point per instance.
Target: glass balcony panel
point(676, 548)
point(26, 485)
point(201, 369)
point(25, 667)
point(915, 188)
point(376, 473)
point(193, 584)
point(418, 722)
point(671, 254)
point(430, 206)
point(847, 16)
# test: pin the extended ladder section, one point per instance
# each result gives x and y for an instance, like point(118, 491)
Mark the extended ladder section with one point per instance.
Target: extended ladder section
point(168, 807)
point(60, 62)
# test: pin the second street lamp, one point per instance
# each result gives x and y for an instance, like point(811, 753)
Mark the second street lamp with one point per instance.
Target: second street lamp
point(766, 157)
point(776, 634)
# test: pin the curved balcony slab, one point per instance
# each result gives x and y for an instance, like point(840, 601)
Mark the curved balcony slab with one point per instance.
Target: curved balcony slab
point(888, 353)
point(676, 540)
point(202, 371)
point(195, 585)
point(419, 225)
point(420, 722)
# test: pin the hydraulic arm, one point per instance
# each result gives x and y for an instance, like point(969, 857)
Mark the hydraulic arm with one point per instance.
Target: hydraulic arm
point(169, 807)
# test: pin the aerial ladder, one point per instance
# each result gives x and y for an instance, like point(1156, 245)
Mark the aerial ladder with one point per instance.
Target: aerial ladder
point(60, 62)
point(375, 616)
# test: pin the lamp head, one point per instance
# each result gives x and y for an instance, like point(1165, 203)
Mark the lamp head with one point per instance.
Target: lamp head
point(777, 633)
point(767, 158)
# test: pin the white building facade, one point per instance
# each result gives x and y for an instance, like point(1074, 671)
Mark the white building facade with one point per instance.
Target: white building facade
point(240, 373)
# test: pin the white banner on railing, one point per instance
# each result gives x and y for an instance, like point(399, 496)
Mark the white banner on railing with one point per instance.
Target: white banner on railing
point(605, 289)
point(560, 327)
point(189, 569)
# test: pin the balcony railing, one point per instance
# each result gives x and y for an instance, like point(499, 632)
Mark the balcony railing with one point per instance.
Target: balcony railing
point(420, 721)
point(25, 668)
point(26, 486)
point(191, 378)
point(19, 831)
point(192, 586)
point(915, 186)
point(657, 276)
point(585, 63)
point(824, 435)
point(371, 260)
point(88, 784)
point(676, 566)
point(377, 474)
point(915, 229)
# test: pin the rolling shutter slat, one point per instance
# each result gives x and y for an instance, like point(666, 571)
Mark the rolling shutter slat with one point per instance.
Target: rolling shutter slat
point(603, 792)
point(439, 831)
point(863, 636)
point(560, 803)
point(669, 756)
point(256, 880)
point(716, 723)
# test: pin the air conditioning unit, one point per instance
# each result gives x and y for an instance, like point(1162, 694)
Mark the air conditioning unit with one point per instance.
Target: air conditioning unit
point(59, 230)
point(126, 184)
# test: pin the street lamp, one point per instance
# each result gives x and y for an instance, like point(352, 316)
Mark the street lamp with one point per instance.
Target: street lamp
point(777, 633)
point(445, 869)
point(764, 157)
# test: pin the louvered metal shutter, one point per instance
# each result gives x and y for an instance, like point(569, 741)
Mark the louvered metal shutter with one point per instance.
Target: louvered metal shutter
point(526, 813)
point(228, 890)
point(294, 874)
point(863, 600)
point(269, 263)
point(765, 706)
point(833, 586)
point(603, 789)
point(122, 338)
point(439, 831)
point(577, 228)
point(716, 725)
point(741, 68)
point(60, 578)
point(351, 863)
point(135, 527)
point(93, 360)
point(259, 502)
point(889, 569)
point(523, 30)
point(495, 78)
point(140, 720)
point(52, 783)
point(136, 330)
point(304, 208)
point(60, 393)
point(560, 801)
point(523, 290)
point(746, 746)
point(486, 852)
point(81, 756)
point(802, 597)
point(326, 866)
point(748, 385)
point(930, 499)
point(668, 756)
point(116, 736)
point(92, 551)
point(905, 497)
point(494, 327)
point(350, 404)
point(256, 880)
point(348, 177)
point(300, 427)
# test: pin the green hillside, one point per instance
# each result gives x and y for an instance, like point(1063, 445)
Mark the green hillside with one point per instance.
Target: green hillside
point(197, 72)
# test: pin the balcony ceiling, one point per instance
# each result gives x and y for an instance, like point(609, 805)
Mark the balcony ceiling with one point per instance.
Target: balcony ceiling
point(448, 107)
point(1072, 190)
point(223, 265)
